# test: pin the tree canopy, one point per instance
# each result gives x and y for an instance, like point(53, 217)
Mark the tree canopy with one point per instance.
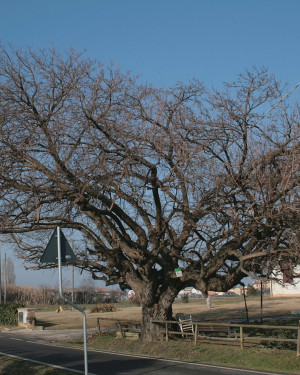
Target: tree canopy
point(154, 179)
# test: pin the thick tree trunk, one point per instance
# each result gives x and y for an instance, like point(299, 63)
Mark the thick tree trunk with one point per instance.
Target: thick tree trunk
point(158, 311)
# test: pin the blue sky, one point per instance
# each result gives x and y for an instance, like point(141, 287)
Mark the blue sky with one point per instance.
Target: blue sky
point(163, 40)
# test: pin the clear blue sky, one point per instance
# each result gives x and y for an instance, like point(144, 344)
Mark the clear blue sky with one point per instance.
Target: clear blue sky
point(163, 40)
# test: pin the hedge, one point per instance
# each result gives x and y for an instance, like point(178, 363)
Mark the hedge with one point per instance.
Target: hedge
point(9, 313)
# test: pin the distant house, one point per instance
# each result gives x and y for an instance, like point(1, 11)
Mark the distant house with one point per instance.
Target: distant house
point(109, 293)
point(236, 291)
point(104, 291)
point(287, 285)
point(190, 291)
point(130, 294)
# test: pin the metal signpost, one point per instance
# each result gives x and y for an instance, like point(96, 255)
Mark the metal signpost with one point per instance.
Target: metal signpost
point(59, 245)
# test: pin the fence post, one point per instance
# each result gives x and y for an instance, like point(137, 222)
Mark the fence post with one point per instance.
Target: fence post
point(196, 334)
point(121, 330)
point(167, 332)
point(241, 337)
point(98, 325)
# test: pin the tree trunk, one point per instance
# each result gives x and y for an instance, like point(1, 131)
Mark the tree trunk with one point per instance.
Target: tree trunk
point(159, 311)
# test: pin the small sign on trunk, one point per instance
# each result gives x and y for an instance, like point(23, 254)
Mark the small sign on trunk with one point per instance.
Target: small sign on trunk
point(178, 272)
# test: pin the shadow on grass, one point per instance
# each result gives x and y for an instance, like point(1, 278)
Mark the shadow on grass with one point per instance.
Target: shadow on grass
point(222, 315)
point(45, 324)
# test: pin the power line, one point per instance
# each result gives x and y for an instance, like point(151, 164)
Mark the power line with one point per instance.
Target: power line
point(279, 101)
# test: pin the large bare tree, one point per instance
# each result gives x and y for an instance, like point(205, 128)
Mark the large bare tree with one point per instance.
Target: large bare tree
point(153, 179)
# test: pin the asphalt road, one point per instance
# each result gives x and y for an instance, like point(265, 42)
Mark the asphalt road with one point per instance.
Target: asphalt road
point(103, 363)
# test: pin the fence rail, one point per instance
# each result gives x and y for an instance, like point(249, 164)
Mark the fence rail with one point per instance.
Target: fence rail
point(212, 327)
point(210, 331)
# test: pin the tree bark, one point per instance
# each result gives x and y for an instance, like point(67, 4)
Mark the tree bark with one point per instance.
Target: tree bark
point(153, 331)
point(154, 308)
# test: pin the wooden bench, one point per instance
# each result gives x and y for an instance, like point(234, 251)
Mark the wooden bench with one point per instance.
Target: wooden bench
point(218, 331)
point(123, 328)
point(129, 329)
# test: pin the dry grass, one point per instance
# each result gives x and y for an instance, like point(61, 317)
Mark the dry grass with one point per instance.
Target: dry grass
point(255, 357)
point(223, 309)
point(12, 366)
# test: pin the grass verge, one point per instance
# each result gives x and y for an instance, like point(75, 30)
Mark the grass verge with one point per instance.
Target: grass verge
point(13, 366)
point(255, 357)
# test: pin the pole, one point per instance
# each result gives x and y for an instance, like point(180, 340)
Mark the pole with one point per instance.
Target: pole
point(298, 342)
point(5, 278)
point(0, 279)
point(72, 286)
point(71, 303)
point(261, 302)
point(246, 307)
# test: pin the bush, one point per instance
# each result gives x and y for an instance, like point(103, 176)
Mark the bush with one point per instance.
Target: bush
point(251, 291)
point(134, 300)
point(185, 298)
point(9, 314)
point(105, 307)
point(282, 334)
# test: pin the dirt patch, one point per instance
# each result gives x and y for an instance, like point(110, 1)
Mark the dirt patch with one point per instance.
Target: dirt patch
point(64, 335)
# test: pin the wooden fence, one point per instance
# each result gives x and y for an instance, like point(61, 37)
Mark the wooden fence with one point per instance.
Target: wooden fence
point(211, 331)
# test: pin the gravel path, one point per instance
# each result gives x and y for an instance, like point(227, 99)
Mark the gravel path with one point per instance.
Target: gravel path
point(49, 335)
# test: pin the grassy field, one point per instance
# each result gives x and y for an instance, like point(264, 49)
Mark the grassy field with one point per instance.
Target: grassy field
point(223, 309)
point(254, 357)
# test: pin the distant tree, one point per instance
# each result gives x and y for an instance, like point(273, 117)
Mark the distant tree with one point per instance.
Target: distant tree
point(134, 300)
point(251, 291)
point(151, 179)
point(87, 284)
point(114, 296)
point(10, 271)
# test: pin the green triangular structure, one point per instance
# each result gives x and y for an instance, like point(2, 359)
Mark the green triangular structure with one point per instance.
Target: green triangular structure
point(50, 253)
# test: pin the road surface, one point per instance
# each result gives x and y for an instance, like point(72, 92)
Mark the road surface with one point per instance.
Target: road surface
point(103, 363)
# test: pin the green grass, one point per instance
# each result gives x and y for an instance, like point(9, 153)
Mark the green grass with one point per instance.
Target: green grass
point(12, 366)
point(255, 357)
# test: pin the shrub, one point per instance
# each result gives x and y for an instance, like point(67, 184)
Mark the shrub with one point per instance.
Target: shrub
point(134, 300)
point(185, 298)
point(251, 291)
point(282, 334)
point(9, 314)
point(105, 307)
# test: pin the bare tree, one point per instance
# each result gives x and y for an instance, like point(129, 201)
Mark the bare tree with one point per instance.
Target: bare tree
point(153, 179)
point(8, 269)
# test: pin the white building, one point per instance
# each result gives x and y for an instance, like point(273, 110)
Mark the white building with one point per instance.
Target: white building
point(190, 291)
point(130, 294)
point(288, 285)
